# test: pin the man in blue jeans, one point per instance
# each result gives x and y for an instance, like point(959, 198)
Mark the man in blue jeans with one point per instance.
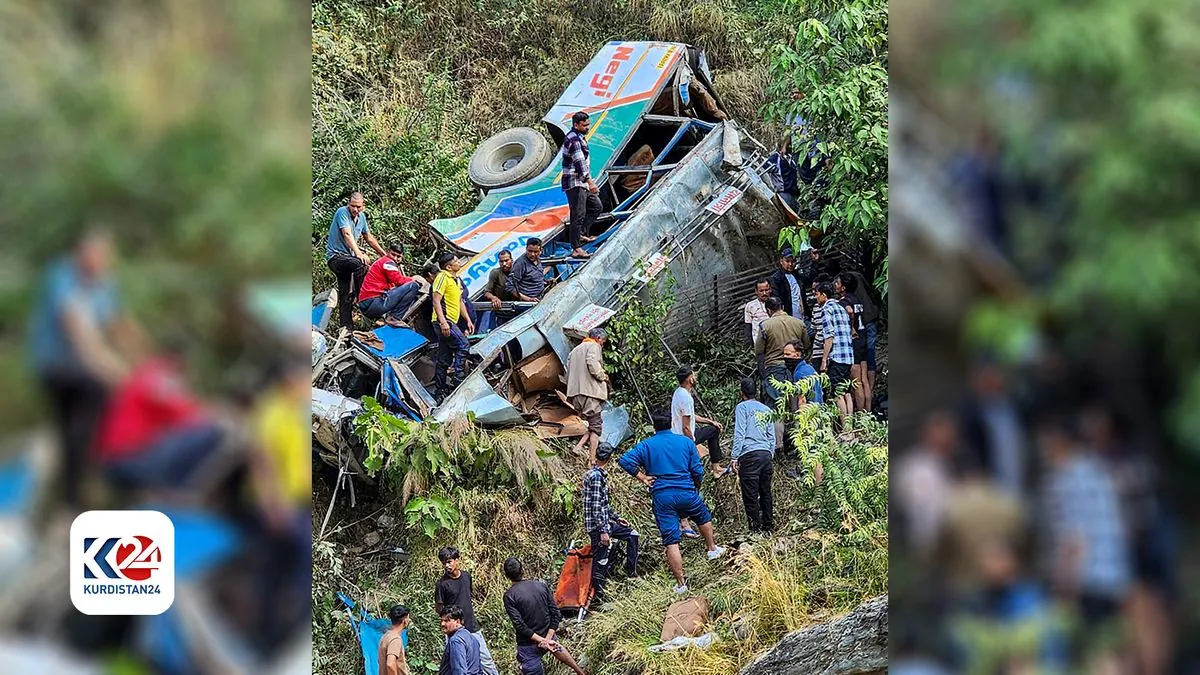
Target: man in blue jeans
point(669, 465)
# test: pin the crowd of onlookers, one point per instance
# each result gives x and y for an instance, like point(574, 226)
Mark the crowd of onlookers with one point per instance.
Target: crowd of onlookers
point(1033, 526)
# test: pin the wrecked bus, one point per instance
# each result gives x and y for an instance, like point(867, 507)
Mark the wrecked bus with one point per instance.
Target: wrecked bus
point(683, 189)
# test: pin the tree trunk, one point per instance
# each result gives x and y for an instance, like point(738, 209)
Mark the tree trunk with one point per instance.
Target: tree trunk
point(853, 644)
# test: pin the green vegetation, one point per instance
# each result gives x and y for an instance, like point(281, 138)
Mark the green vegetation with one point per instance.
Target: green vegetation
point(402, 93)
point(188, 143)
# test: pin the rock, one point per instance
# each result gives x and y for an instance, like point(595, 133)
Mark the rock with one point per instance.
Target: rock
point(385, 522)
point(856, 643)
point(372, 539)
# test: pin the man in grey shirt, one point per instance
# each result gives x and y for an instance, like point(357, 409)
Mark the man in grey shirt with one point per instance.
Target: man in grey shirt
point(753, 454)
point(527, 280)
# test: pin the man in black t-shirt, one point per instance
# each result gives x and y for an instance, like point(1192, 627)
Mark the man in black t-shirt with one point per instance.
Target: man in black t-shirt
point(454, 590)
point(846, 287)
point(535, 616)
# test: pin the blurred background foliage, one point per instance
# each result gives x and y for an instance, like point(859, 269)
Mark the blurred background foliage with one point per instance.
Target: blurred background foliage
point(181, 127)
point(403, 90)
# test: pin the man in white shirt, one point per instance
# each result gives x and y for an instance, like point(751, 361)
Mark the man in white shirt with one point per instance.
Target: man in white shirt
point(755, 311)
point(684, 420)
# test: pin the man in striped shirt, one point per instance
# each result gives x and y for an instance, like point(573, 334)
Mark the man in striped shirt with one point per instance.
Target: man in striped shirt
point(839, 352)
point(583, 197)
point(818, 322)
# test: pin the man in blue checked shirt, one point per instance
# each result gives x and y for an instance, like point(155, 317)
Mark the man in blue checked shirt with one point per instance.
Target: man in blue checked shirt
point(839, 350)
point(603, 524)
point(583, 197)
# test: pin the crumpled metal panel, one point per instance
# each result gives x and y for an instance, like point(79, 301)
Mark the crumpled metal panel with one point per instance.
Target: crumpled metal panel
point(328, 411)
point(653, 227)
point(477, 396)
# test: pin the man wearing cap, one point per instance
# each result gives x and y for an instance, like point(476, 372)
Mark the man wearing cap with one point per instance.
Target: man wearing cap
point(346, 260)
point(787, 285)
point(387, 291)
point(587, 387)
point(603, 524)
point(448, 306)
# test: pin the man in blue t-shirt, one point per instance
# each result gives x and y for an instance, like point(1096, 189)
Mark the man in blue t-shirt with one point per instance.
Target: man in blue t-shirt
point(81, 346)
point(669, 465)
point(346, 260)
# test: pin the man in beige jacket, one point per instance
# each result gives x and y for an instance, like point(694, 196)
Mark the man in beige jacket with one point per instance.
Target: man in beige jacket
point(587, 387)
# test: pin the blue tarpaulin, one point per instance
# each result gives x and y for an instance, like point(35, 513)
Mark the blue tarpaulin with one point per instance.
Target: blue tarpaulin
point(16, 485)
point(390, 393)
point(369, 630)
point(397, 342)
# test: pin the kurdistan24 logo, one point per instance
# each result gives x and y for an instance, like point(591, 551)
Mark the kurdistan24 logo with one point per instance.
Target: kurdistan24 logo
point(122, 563)
point(133, 558)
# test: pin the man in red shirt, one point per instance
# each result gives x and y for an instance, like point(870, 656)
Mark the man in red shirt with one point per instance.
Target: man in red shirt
point(155, 433)
point(386, 291)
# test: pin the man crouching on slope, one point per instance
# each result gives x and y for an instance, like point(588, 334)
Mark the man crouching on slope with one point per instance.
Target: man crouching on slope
point(669, 465)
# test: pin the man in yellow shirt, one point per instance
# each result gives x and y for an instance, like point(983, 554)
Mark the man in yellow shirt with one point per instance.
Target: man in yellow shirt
point(281, 465)
point(449, 306)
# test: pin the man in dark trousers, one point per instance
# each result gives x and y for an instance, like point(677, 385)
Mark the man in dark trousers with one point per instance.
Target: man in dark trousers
point(462, 653)
point(346, 260)
point(535, 618)
point(583, 197)
point(387, 290)
point(603, 524)
point(449, 306)
point(753, 454)
point(787, 285)
point(454, 590)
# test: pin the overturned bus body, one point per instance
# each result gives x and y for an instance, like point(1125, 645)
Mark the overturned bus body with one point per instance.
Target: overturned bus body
point(701, 206)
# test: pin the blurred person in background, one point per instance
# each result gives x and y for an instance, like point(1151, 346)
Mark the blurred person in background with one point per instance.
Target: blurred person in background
point(1151, 534)
point(346, 260)
point(924, 481)
point(386, 290)
point(156, 433)
point(1005, 623)
point(282, 479)
point(82, 345)
point(1086, 539)
point(993, 431)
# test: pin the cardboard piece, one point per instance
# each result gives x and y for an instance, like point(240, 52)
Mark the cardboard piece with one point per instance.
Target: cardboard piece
point(685, 618)
point(541, 372)
point(559, 422)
